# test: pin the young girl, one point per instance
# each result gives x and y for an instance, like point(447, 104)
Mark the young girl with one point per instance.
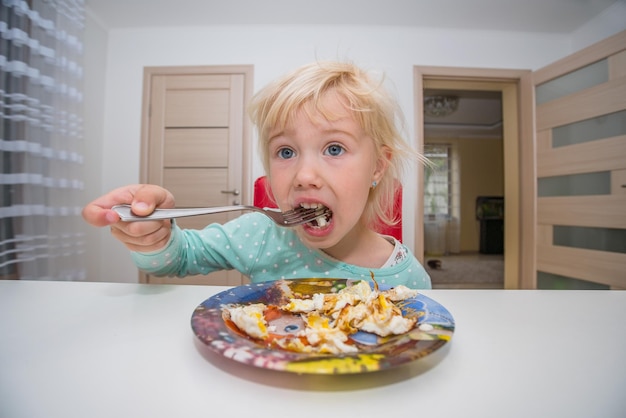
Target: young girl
point(328, 138)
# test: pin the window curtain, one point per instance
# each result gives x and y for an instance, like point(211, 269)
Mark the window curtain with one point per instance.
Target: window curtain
point(441, 181)
point(41, 138)
point(442, 198)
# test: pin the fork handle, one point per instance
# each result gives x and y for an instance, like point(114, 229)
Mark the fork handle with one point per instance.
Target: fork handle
point(127, 215)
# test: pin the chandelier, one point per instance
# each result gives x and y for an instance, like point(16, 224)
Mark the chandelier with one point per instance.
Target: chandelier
point(440, 106)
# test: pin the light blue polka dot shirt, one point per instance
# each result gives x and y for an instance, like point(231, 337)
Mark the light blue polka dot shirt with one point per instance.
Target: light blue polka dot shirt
point(263, 251)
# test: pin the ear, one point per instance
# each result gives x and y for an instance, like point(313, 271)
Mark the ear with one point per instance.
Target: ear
point(382, 163)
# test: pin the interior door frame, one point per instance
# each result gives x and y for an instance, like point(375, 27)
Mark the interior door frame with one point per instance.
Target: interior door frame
point(519, 162)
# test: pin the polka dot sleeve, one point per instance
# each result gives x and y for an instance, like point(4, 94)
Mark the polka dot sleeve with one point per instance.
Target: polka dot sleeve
point(234, 245)
point(263, 251)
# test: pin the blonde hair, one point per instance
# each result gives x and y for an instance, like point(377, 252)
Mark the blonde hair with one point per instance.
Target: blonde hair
point(372, 106)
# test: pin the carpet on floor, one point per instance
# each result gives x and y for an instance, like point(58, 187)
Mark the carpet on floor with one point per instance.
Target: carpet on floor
point(466, 271)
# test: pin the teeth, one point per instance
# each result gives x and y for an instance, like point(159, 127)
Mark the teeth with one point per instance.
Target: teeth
point(311, 205)
point(320, 222)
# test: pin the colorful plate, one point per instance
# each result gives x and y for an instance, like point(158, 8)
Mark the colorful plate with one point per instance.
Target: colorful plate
point(433, 330)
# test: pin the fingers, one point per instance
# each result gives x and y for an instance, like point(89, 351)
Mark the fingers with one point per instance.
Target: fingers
point(144, 198)
point(142, 236)
point(147, 197)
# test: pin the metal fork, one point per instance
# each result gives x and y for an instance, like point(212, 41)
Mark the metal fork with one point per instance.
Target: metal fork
point(289, 218)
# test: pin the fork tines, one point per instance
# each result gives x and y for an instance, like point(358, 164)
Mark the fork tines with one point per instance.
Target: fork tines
point(304, 215)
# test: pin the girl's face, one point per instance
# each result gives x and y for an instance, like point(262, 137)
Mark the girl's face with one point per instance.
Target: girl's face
point(314, 160)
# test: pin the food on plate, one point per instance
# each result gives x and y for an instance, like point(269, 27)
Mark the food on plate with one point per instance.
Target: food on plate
point(324, 322)
point(250, 319)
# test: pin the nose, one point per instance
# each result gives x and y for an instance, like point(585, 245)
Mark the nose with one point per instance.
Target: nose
point(307, 175)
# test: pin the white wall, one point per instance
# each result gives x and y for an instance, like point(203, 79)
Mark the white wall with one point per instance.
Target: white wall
point(274, 50)
point(611, 21)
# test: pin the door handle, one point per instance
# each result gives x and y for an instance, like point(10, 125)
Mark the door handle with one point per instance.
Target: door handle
point(233, 192)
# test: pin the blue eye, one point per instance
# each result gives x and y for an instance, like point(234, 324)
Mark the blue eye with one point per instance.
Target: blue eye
point(285, 153)
point(335, 150)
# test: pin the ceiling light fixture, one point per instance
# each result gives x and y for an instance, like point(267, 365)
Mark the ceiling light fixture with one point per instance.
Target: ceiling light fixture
point(440, 106)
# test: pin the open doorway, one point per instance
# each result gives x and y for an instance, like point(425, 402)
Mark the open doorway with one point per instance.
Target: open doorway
point(512, 87)
point(464, 188)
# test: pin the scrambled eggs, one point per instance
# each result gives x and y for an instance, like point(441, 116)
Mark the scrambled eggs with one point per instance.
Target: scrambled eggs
point(324, 322)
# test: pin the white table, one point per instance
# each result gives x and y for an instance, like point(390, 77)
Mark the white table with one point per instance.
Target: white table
point(71, 349)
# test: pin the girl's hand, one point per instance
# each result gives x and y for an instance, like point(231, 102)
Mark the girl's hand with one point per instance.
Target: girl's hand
point(136, 236)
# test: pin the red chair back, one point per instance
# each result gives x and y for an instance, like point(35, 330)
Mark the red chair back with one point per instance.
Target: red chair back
point(262, 194)
point(396, 229)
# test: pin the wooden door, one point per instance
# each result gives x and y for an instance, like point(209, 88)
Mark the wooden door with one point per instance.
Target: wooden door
point(581, 168)
point(195, 144)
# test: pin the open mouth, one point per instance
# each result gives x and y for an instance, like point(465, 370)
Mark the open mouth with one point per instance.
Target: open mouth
point(321, 221)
